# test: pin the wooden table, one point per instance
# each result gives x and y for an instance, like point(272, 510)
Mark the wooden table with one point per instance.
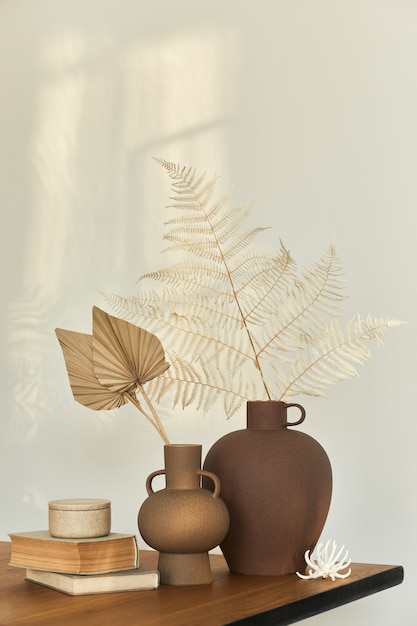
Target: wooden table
point(230, 599)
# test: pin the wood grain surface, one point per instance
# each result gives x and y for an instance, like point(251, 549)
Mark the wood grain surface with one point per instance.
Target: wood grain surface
point(231, 598)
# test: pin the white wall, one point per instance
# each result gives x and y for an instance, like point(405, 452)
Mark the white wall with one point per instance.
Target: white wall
point(308, 107)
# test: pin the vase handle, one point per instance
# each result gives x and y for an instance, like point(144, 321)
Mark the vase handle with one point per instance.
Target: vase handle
point(302, 414)
point(150, 479)
point(215, 480)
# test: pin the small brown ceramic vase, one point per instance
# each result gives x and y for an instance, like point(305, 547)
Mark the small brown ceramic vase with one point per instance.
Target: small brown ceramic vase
point(183, 521)
point(277, 484)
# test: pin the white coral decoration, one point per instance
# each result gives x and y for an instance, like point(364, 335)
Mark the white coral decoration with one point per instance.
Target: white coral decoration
point(328, 563)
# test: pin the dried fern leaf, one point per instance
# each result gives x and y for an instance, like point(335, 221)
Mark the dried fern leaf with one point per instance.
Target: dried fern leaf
point(333, 356)
point(306, 308)
point(262, 289)
point(187, 384)
point(231, 314)
point(190, 276)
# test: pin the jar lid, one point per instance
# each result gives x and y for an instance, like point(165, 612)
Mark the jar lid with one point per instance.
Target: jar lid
point(79, 504)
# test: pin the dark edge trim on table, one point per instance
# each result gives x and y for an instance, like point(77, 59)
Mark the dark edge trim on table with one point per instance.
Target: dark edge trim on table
point(325, 601)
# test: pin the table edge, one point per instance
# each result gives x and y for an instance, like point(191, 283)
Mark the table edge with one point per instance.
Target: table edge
point(326, 600)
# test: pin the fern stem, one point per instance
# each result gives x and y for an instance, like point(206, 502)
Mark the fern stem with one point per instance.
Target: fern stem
point(153, 418)
point(250, 338)
point(234, 292)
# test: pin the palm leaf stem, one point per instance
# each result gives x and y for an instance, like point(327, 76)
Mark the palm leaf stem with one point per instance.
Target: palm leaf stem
point(153, 418)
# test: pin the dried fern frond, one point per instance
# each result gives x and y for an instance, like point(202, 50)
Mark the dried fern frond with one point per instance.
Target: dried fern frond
point(333, 356)
point(228, 313)
point(305, 309)
point(190, 276)
point(188, 385)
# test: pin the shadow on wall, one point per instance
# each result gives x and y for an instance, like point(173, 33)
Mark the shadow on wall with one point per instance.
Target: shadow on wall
point(100, 102)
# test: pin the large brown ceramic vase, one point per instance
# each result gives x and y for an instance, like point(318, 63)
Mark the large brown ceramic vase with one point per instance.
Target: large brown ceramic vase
point(183, 521)
point(276, 483)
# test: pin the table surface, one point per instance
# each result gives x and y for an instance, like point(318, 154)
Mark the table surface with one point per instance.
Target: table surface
point(230, 599)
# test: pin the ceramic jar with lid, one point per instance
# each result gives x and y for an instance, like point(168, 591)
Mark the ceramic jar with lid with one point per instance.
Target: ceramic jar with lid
point(79, 518)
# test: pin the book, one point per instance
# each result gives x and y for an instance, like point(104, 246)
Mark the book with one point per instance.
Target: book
point(138, 579)
point(39, 550)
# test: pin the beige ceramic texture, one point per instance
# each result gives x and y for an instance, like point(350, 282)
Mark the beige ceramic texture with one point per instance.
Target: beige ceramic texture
point(79, 518)
point(183, 521)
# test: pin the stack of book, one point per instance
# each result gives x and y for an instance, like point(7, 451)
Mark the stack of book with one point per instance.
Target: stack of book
point(82, 566)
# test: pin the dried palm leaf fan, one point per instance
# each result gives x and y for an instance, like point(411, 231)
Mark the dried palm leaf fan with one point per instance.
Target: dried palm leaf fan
point(109, 368)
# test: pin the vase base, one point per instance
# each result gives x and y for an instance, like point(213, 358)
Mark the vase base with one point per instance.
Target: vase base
point(184, 569)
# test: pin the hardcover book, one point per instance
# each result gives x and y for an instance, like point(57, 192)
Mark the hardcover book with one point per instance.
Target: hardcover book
point(139, 579)
point(39, 550)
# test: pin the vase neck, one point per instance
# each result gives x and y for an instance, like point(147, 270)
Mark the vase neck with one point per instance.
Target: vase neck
point(182, 463)
point(271, 415)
